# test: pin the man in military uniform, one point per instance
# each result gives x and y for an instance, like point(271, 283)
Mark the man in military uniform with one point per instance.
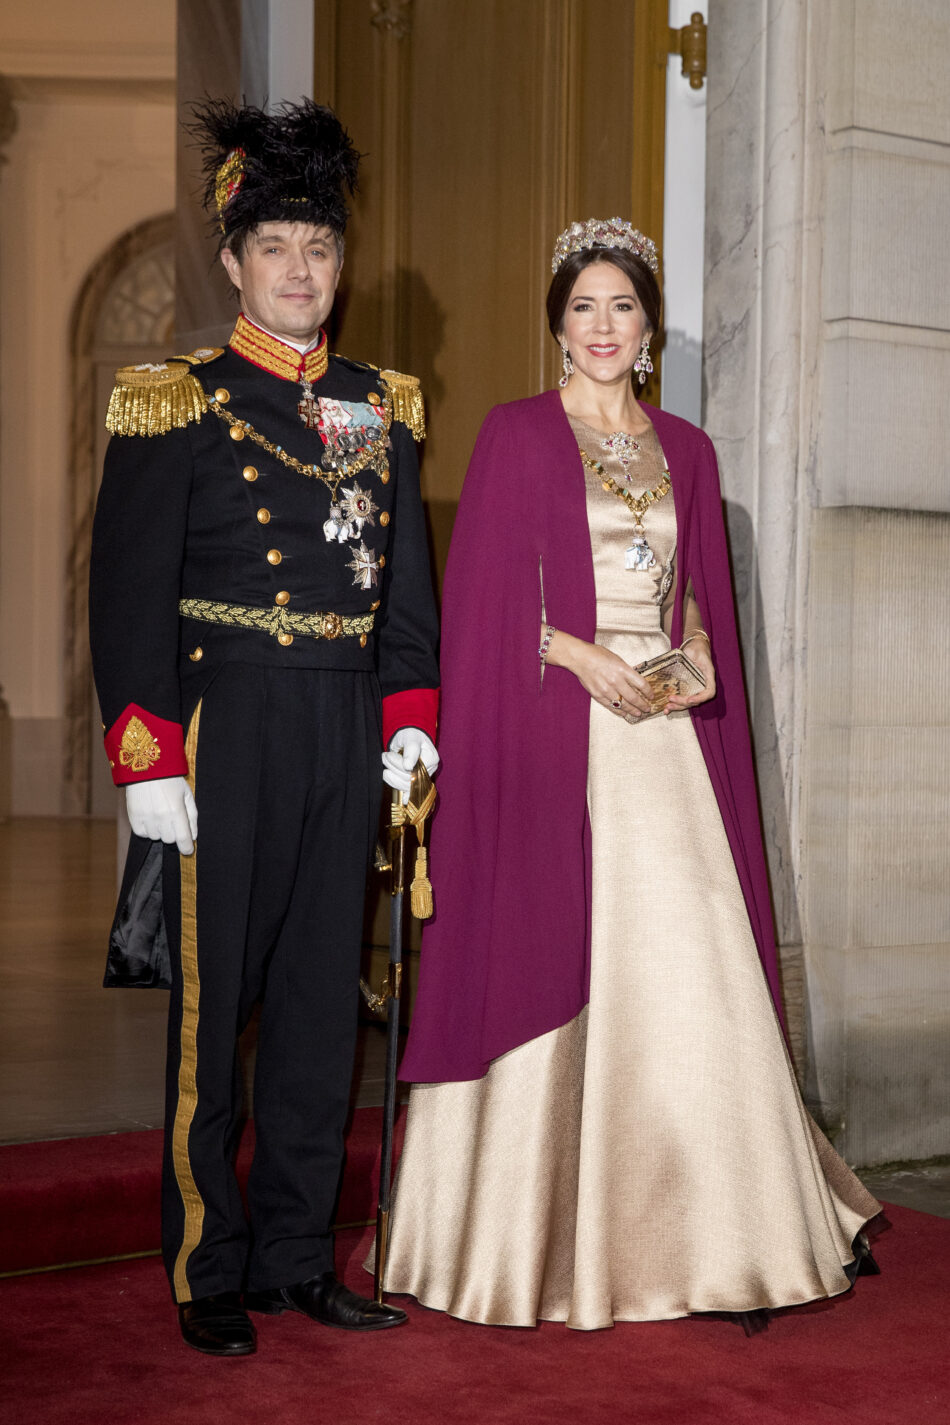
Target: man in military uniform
point(262, 627)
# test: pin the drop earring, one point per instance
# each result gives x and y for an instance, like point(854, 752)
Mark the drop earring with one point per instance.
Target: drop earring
point(643, 365)
point(568, 365)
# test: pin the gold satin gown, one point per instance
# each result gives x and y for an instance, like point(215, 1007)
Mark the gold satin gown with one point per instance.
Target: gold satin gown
point(652, 1157)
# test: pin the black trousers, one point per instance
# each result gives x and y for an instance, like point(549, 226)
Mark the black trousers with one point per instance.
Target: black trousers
point(287, 782)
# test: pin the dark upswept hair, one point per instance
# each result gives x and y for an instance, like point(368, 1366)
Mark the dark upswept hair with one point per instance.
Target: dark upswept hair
point(562, 283)
point(297, 165)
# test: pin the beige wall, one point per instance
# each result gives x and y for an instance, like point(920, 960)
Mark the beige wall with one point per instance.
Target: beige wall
point(93, 154)
point(827, 357)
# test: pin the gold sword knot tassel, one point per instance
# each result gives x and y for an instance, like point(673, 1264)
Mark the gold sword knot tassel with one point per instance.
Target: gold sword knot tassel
point(420, 891)
point(416, 811)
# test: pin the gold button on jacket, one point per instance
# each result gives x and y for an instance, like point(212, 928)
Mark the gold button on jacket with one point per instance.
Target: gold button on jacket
point(201, 491)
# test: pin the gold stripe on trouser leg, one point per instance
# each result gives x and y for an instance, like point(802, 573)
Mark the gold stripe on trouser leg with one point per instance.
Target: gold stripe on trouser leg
point(188, 1063)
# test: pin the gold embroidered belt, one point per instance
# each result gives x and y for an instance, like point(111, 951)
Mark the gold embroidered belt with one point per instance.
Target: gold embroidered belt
point(277, 620)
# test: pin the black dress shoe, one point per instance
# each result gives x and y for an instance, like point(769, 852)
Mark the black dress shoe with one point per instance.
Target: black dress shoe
point(218, 1325)
point(864, 1264)
point(752, 1322)
point(328, 1301)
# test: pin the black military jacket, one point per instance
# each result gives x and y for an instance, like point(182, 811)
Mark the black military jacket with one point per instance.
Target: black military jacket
point(214, 509)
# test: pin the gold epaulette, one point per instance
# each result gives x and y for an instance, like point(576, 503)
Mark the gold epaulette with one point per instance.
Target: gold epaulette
point(201, 356)
point(151, 400)
point(407, 401)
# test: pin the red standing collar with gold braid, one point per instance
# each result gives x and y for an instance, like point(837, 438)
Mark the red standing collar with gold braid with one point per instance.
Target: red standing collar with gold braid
point(275, 356)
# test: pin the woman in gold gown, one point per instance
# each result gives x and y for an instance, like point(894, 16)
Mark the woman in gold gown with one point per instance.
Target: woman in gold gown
point(647, 1155)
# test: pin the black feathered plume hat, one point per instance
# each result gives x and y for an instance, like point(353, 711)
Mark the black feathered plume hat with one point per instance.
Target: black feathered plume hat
point(295, 165)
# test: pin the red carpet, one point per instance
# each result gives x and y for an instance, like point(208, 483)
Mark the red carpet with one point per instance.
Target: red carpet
point(85, 1199)
point(100, 1346)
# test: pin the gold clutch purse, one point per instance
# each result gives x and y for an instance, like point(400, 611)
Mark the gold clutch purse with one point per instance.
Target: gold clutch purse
point(671, 673)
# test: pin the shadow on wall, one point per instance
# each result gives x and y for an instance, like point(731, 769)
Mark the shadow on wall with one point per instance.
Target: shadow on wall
point(401, 301)
point(740, 535)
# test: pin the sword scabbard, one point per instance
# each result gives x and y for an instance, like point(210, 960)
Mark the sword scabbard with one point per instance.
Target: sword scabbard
point(397, 832)
point(382, 1243)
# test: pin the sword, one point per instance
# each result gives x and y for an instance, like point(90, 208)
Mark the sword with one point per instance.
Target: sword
point(387, 1000)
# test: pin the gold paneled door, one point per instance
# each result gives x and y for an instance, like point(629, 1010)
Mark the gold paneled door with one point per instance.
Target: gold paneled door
point(487, 126)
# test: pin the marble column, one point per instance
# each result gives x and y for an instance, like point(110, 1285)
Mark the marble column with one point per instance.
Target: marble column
point(756, 361)
point(827, 343)
point(876, 753)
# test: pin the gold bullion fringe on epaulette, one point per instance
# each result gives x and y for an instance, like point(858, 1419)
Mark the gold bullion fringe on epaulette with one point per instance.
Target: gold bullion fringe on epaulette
point(153, 401)
point(407, 401)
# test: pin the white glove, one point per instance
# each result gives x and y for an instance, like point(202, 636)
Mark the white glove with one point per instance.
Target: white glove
point(163, 810)
point(405, 748)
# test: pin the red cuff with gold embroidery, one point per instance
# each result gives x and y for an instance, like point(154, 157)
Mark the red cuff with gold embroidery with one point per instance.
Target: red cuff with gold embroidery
point(416, 707)
point(142, 747)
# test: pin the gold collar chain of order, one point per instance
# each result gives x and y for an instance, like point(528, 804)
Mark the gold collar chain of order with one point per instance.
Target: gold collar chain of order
point(636, 504)
point(372, 454)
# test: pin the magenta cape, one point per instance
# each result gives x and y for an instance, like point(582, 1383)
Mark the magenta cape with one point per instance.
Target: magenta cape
point(507, 954)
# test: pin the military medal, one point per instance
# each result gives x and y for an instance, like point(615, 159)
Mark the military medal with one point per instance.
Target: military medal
point(365, 567)
point(349, 514)
point(307, 407)
point(347, 429)
point(313, 367)
point(359, 508)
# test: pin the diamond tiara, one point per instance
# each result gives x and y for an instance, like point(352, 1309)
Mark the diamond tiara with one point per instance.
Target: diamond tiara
point(605, 232)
